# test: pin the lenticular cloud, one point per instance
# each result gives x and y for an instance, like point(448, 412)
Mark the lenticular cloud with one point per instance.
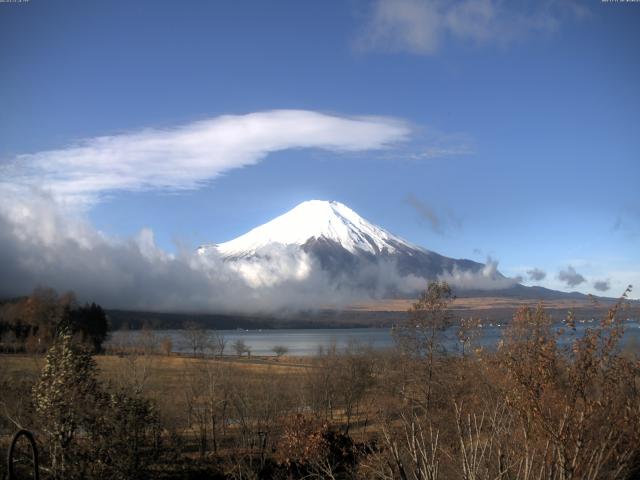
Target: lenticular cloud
point(187, 156)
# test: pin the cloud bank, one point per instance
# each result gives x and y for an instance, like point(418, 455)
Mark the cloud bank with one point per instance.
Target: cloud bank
point(45, 239)
point(188, 156)
point(41, 244)
point(422, 26)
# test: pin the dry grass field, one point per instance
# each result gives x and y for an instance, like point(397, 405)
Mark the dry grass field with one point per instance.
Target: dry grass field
point(353, 414)
point(482, 303)
point(162, 377)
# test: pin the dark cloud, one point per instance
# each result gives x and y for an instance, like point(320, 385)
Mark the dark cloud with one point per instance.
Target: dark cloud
point(439, 221)
point(536, 274)
point(628, 222)
point(571, 277)
point(602, 285)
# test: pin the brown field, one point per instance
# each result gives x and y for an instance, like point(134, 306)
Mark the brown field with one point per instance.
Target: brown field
point(362, 413)
point(164, 374)
point(482, 303)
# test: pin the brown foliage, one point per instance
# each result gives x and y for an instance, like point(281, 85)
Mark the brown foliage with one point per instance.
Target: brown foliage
point(552, 402)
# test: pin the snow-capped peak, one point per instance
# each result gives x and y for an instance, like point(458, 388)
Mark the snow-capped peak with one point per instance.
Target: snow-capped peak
point(315, 219)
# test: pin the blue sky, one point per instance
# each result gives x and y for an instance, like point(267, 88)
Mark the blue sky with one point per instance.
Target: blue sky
point(519, 126)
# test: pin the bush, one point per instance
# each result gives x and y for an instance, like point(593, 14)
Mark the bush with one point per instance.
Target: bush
point(89, 432)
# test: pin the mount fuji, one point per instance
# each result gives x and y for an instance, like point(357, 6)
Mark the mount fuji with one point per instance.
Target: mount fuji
point(352, 251)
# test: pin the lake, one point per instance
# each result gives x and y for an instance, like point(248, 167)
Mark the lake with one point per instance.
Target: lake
point(304, 342)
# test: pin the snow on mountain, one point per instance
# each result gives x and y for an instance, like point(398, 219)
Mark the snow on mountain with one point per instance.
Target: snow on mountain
point(315, 220)
point(327, 242)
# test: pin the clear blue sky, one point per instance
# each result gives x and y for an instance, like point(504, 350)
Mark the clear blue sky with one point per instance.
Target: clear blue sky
point(525, 123)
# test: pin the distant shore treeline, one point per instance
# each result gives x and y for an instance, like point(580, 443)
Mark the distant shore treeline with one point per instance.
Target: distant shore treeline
point(28, 322)
point(31, 324)
point(123, 319)
point(321, 319)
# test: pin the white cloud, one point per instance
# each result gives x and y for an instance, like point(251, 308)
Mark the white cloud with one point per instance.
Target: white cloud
point(422, 26)
point(486, 278)
point(271, 265)
point(187, 156)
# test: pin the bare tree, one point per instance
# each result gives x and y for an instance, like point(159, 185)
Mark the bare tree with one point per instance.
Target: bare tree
point(137, 363)
point(354, 377)
point(570, 401)
point(167, 345)
point(412, 451)
point(280, 350)
point(147, 341)
point(206, 398)
point(467, 333)
point(419, 334)
point(240, 347)
point(217, 343)
point(196, 338)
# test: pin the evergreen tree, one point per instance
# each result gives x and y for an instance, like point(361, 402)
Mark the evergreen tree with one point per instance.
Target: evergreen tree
point(91, 323)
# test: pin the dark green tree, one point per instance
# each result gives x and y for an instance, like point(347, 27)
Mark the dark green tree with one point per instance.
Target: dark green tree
point(90, 321)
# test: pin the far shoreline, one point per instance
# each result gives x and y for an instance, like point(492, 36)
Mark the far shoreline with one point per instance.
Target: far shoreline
point(373, 314)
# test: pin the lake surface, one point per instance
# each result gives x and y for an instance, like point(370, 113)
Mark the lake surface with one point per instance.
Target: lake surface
point(303, 342)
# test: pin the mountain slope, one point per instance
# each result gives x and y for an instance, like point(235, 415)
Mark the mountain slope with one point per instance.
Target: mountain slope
point(354, 252)
point(321, 221)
